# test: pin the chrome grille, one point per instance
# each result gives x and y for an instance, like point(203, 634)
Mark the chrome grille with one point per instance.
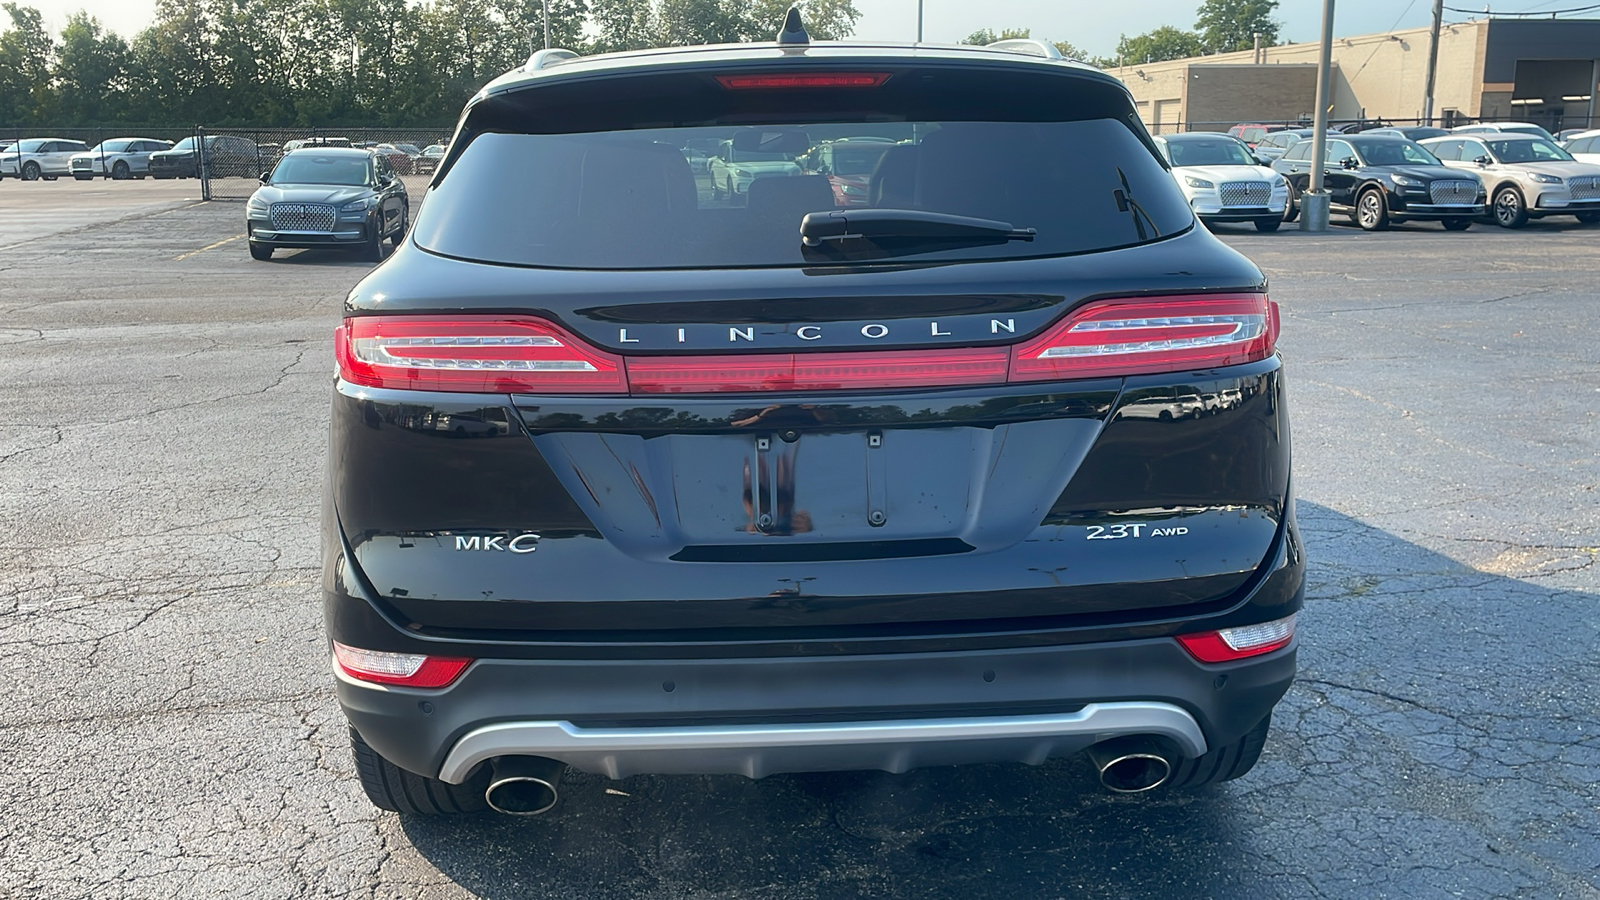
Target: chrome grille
point(81, 164)
point(1246, 193)
point(1453, 193)
point(303, 216)
point(1584, 187)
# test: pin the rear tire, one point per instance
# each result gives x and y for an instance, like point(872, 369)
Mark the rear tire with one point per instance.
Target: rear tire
point(1268, 225)
point(1221, 764)
point(390, 787)
point(1456, 224)
point(262, 252)
point(1589, 218)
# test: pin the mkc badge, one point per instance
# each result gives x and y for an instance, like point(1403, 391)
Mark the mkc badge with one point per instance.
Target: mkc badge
point(527, 542)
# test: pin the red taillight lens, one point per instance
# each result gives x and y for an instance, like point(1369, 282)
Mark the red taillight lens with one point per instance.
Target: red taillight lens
point(1135, 337)
point(816, 371)
point(476, 355)
point(413, 670)
point(1245, 641)
point(806, 80)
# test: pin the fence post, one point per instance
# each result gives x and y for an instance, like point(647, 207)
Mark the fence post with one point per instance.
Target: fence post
point(202, 171)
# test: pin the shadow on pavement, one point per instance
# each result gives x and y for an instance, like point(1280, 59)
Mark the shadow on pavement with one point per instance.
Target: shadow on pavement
point(1443, 740)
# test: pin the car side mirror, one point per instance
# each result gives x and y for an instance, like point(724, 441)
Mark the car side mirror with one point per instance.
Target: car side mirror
point(1349, 162)
point(824, 170)
point(266, 177)
point(1484, 161)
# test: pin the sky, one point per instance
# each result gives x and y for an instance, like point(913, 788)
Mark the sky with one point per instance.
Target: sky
point(1093, 27)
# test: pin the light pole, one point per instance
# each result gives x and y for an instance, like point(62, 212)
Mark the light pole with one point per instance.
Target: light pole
point(547, 24)
point(1314, 202)
point(1433, 62)
point(919, 21)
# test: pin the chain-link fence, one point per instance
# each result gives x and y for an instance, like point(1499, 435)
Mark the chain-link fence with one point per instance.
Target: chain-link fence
point(236, 158)
point(1353, 125)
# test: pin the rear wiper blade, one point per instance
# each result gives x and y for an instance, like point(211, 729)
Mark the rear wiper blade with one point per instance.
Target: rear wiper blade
point(839, 226)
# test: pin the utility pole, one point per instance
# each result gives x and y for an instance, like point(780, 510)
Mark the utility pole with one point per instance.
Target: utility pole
point(919, 21)
point(1433, 62)
point(1256, 58)
point(547, 24)
point(1314, 202)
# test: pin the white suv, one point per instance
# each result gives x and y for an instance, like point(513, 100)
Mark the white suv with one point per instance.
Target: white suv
point(118, 158)
point(1526, 177)
point(34, 158)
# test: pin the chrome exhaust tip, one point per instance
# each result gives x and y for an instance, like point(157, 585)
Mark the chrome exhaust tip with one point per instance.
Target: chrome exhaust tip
point(524, 785)
point(1130, 765)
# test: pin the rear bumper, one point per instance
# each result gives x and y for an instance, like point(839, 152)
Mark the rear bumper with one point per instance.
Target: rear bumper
point(760, 716)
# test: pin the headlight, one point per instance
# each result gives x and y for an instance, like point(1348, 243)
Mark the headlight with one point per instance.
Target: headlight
point(256, 204)
point(1544, 179)
point(1194, 182)
point(741, 173)
point(357, 205)
point(1278, 181)
point(851, 190)
point(1407, 181)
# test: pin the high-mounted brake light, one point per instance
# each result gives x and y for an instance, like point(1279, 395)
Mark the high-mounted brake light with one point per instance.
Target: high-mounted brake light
point(1140, 336)
point(414, 670)
point(1245, 641)
point(484, 354)
point(804, 80)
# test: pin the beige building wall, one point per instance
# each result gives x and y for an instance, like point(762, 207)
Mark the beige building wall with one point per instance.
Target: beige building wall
point(1382, 75)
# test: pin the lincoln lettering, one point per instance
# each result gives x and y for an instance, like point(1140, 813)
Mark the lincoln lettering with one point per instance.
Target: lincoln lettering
point(871, 331)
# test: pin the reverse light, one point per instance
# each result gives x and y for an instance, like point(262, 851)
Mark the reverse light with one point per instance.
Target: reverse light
point(1245, 641)
point(1166, 334)
point(414, 670)
point(487, 354)
point(805, 80)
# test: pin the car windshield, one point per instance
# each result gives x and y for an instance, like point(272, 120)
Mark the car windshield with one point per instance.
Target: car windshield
point(857, 160)
point(1521, 151)
point(1394, 153)
point(1215, 152)
point(631, 200)
point(737, 155)
point(301, 167)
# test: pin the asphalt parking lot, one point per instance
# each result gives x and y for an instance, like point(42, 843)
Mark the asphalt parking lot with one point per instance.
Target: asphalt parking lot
point(171, 729)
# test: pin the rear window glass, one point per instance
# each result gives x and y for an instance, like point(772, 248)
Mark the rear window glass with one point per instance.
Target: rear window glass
point(699, 197)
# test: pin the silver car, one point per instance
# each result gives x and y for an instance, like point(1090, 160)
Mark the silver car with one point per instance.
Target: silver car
point(34, 158)
point(119, 158)
point(1526, 177)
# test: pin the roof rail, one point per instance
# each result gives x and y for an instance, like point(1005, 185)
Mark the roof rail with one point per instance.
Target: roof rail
point(1028, 46)
point(549, 56)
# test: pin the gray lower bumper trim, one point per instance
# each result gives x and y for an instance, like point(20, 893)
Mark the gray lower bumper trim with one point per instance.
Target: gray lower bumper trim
point(758, 750)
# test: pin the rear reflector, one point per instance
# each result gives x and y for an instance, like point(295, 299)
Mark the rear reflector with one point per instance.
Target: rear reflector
point(474, 354)
point(1166, 334)
point(816, 371)
point(403, 669)
point(1238, 643)
point(810, 80)
point(524, 355)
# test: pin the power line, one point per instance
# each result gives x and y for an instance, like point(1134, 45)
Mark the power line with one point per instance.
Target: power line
point(1380, 44)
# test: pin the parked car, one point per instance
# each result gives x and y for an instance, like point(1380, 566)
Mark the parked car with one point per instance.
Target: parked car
point(118, 158)
point(1379, 180)
point(428, 162)
point(1409, 132)
point(291, 146)
point(1223, 181)
point(1567, 134)
point(1504, 128)
point(848, 164)
point(1527, 177)
point(738, 163)
point(227, 156)
point(399, 159)
point(330, 198)
point(1276, 143)
point(1584, 146)
point(1250, 134)
point(789, 489)
point(34, 158)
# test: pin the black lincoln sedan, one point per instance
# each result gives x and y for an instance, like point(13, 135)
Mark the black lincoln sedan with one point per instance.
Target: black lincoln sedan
point(1383, 179)
point(327, 197)
point(993, 467)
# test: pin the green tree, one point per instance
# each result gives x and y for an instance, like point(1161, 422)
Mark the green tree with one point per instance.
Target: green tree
point(826, 20)
point(1161, 43)
point(985, 36)
point(26, 49)
point(622, 25)
point(1229, 25)
point(91, 73)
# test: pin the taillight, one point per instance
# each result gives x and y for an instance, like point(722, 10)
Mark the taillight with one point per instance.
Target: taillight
point(1245, 641)
point(806, 80)
point(1136, 337)
point(816, 371)
point(486, 354)
point(414, 670)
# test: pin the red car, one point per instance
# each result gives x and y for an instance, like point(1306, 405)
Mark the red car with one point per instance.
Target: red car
point(849, 164)
point(1250, 134)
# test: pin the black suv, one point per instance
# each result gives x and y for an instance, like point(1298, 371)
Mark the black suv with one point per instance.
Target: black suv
point(1376, 180)
point(635, 475)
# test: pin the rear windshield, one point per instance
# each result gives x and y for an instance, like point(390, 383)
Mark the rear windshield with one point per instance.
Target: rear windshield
point(632, 199)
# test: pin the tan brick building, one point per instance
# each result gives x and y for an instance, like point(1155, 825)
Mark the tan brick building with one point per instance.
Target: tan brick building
point(1543, 71)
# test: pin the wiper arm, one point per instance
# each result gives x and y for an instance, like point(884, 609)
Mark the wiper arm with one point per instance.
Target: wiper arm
point(1126, 203)
point(840, 226)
